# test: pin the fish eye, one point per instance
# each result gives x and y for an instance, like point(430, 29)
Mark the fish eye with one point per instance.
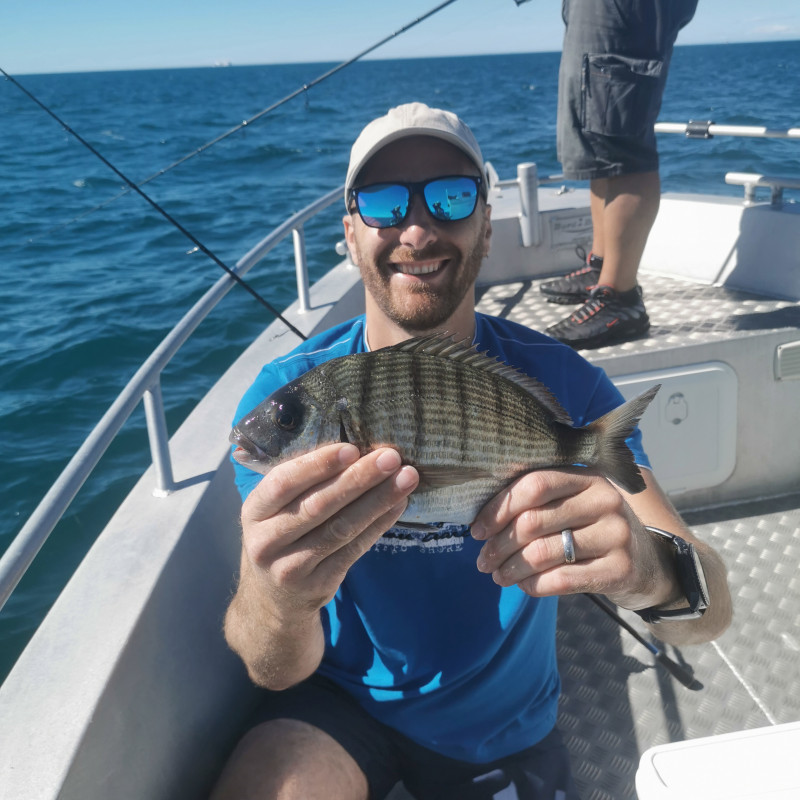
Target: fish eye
point(287, 416)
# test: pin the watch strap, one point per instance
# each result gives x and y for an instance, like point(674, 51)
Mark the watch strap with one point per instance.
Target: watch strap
point(690, 577)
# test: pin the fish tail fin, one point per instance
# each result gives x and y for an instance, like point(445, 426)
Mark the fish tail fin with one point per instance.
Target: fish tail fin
point(613, 456)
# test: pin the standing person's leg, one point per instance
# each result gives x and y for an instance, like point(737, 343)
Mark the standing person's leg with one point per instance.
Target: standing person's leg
point(597, 206)
point(613, 71)
point(624, 209)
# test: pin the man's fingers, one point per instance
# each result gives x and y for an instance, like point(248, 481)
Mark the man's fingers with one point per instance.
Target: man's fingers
point(538, 530)
point(338, 562)
point(318, 561)
point(327, 517)
point(287, 481)
point(353, 519)
point(530, 551)
point(303, 493)
point(537, 490)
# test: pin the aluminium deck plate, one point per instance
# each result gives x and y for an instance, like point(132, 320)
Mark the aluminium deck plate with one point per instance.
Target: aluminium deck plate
point(617, 701)
point(681, 312)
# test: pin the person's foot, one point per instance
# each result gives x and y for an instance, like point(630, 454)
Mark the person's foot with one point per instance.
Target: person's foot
point(606, 317)
point(575, 286)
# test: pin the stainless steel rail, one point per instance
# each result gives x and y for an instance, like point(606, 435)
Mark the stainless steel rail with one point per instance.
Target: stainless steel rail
point(775, 183)
point(146, 385)
point(708, 129)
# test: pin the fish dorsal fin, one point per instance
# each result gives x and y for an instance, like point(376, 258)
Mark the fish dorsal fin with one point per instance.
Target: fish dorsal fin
point(443, 345)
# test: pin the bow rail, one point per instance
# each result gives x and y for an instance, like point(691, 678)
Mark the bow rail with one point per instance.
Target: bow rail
point(145, 386)
point(707, 129)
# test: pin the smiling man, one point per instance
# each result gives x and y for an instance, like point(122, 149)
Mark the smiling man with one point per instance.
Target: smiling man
point(417, 276)
point(390, 654)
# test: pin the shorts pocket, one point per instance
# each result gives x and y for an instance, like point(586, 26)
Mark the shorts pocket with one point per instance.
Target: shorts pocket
point(620, 96)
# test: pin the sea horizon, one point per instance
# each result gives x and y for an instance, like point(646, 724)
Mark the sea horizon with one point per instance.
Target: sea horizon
point(367, 59)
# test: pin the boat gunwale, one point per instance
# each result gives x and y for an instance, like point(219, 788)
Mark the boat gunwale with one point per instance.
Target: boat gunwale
point(144, 386)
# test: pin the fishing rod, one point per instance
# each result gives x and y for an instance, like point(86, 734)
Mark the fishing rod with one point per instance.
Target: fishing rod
point(304, 88)
point(675, 669)
point(131, 186)
point(162, 211)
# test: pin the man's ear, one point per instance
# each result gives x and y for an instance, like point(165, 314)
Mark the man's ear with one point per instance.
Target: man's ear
point(487, 234)
point(349, 236)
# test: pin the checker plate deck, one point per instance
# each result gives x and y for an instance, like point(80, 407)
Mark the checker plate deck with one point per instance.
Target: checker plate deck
point(680, 311)
point(617, 701)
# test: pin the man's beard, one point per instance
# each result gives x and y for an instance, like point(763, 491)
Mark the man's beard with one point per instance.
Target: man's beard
point(422, 307)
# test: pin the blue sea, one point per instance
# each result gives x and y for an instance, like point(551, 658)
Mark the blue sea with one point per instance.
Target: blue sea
point(93, 279)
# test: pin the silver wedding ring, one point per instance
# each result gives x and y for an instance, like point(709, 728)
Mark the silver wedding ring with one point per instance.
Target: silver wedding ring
point(569, 545)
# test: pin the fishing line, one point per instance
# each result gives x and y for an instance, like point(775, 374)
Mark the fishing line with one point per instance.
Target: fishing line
point(163, 212)
point(303, 89)
point(131, 186)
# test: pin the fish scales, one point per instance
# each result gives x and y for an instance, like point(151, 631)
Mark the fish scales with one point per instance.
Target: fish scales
point(441, 412)
point(435, 412)
point(468, 423)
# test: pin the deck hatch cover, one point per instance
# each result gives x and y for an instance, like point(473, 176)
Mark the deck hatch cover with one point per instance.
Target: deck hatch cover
point(787, 361)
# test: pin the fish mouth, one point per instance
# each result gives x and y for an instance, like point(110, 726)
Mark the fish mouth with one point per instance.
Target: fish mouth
point(247, 451)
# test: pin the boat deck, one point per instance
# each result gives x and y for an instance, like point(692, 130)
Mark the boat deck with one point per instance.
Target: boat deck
point(617, 701)
point(681, 312)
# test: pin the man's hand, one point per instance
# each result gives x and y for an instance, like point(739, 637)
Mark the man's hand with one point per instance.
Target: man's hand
point(305, 524)
point(312, 518)
point(614, 554)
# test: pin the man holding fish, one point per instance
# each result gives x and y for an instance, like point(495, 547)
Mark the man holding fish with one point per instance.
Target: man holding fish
point(423, 508)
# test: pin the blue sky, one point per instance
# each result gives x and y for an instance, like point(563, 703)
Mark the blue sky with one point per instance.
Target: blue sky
point(80, 35)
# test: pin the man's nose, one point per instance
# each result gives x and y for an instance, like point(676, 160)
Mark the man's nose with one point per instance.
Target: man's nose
point(419, 227)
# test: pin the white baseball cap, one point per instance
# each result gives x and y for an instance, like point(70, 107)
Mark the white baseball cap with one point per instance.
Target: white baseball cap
point(411, 119)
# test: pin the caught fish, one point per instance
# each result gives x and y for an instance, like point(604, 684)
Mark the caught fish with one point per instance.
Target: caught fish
point(468, 423)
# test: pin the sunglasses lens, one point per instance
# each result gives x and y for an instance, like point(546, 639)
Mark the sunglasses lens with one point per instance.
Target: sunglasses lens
point(451, 198)
point(383, 204)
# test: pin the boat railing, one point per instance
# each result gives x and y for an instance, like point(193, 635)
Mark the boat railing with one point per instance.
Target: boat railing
point(752, 181)
point(707, 129)
point(145, 386)
point(528, 180)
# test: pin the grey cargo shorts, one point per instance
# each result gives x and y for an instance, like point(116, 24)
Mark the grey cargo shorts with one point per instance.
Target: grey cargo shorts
point(611, 82)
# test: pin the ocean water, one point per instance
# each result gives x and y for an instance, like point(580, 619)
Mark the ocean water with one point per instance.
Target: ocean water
point(92, 280)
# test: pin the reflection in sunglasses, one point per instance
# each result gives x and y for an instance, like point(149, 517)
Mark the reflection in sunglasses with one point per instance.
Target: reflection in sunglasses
point(448, 198)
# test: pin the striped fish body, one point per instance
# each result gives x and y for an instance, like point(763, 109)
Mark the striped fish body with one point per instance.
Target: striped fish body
point(469, 424)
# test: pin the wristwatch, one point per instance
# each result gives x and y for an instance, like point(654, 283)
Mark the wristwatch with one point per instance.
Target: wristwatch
point(690, 576)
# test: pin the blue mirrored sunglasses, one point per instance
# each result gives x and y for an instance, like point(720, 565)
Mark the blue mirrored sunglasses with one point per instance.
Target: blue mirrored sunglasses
point(449, 198)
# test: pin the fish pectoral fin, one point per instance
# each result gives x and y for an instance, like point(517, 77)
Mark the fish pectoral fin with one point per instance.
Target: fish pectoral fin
point(346, 431)
point(434, 477)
